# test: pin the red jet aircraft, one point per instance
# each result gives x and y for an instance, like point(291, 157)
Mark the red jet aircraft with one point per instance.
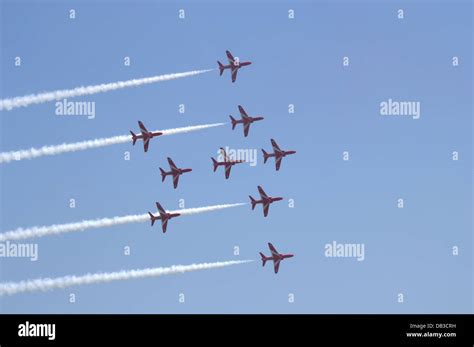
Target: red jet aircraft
point(175, 172)
point(265, 200)
point(246, 120)
point(163, 216)
point(277, 153)
point(276, 257)
point(227, 163)
point(146, 136)
point(234, 66)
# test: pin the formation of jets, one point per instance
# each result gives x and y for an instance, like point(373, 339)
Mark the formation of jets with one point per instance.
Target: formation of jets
point(246, 120)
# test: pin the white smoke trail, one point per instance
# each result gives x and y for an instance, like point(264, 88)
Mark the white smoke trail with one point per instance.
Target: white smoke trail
point(20, 233)
point(43, 284)
point(6, 157)
point(11, 103)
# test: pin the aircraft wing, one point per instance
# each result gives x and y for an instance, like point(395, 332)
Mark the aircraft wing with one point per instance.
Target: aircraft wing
point(224, 154)
point(172, 165)
point(275, 146)
point(227, 171)
point(246, 129)
point(164, 224)
point(160, 208)
point(146, 143)
point(243, 114)
point(277, 162)
point(266, 207)
point(142, 127)
point(175, 181)
point(234, 74)
point(276, 265)
point(273, 249)
point(230, 57)
point(263, 195)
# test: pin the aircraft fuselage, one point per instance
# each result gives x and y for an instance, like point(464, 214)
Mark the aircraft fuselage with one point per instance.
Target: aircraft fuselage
point(281, 153)
point(169, 216)
point(248, 120)
point(177, 171)
point(236, 65)
point(229, 163)
point(268, 200)
point(280, 257)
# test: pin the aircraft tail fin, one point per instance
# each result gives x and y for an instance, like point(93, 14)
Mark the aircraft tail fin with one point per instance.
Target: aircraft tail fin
point(253, 201)
point(264, 259)
point(233, 121)
point(265, 156)
point(134, 137)
point(163, 174)
point(153, 218)
point(221, 68)
point(214, 163)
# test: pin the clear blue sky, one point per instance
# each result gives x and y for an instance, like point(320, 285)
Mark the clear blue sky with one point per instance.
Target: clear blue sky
point(337, 109)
